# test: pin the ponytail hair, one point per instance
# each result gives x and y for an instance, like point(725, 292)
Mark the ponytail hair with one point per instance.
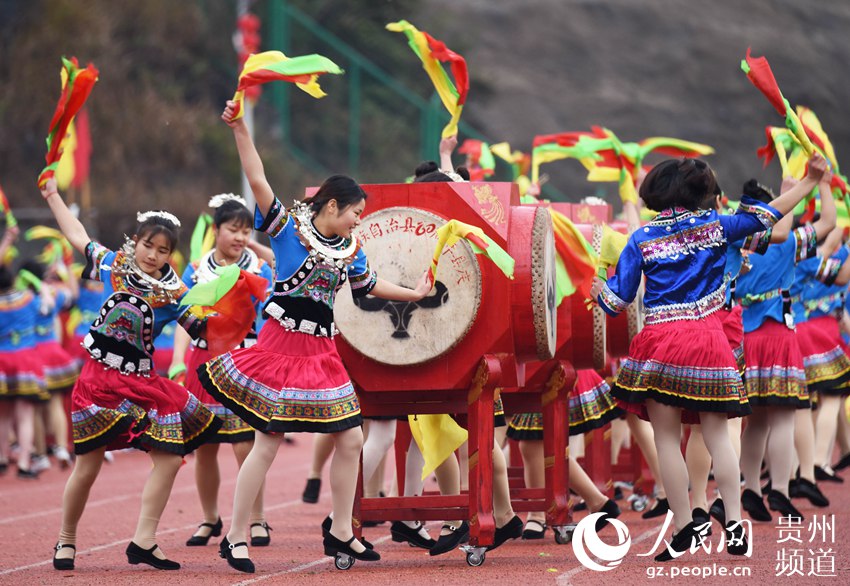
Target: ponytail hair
point(341, 188)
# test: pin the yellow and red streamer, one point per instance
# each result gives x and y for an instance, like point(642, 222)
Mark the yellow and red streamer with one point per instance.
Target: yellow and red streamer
point(77, 84)
point(449, 233)
point(432, 52)
point(304, 71)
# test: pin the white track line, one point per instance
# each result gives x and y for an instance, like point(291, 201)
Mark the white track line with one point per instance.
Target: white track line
point(300, 568)
point(564, 579)
point(90, 504)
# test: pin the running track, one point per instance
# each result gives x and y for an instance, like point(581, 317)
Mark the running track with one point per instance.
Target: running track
point(30, 516)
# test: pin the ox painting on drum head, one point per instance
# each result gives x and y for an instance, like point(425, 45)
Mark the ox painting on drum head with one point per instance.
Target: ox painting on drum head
point(399, 243)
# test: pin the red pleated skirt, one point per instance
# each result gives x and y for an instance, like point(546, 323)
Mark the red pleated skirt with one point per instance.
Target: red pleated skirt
point(824, 355)
point(287, 382)
point(687, 364)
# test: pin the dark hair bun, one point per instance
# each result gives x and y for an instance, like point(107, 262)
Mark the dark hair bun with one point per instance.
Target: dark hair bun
point(756, 190)
point(424, 168)
point(679, 182)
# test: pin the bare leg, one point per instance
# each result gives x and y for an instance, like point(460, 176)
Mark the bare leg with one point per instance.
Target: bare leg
point(827, 414)
point(154, 498)
point(413, 470)
point(323, 445)
point(780, 444)
point(345, 466)
point(58, 420)
point(378, 442)
point(258, 515)
point(25, 419)
point(727, 471)
point(76, 495)
point(698, 461)
point(207, 479)
point(645, 438)
point(534, 471)
point(752, 453)
point(249, 482)
point(502, 509)
point(667, 428)
point(39, 439)
point(584, 487)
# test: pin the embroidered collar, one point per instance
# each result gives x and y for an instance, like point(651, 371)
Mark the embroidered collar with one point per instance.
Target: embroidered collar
point(166, 289)
point(333, 251)
point(206, 270)
point(677, 214)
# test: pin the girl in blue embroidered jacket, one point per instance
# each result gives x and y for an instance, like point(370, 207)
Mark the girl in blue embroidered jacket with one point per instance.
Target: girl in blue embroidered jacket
point(119, 400)
point(302, 385)
point(682, 254)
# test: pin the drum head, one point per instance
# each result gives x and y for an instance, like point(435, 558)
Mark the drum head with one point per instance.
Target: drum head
point(399, 243)
point(543, 285)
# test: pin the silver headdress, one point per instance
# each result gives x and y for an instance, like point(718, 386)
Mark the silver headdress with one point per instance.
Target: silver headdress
point(217, 201)
point(142, 217)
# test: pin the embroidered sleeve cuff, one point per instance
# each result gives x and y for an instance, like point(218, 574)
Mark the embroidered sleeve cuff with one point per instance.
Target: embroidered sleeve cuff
point(806, 242)
point(362, 285)
point(767, 215)
point(193, 321)
point(274, 221)
point(828, 270)
point(95, 252)
point(758, 242)
point(609, 301)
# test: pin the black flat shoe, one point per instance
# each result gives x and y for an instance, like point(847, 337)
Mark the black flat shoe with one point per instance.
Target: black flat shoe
point(261, 540)
point(611, 510)
point(63, 563)
point(661, 507)
point(137, 555)
point(326, 530)
point(718, 511)
point(402, 532)
point(779, 502)
point(736, 538)
point(446, 543)
point(27, 474)
point(754, 505)
point(334, 546)
point(843, 463)
point(198, 540)
point(680, 543)
point(701, 518)
point(535, 531)
point(802, 488)
point(225, 550)
point(510, 530)
point(311, 491)
point(820, 474)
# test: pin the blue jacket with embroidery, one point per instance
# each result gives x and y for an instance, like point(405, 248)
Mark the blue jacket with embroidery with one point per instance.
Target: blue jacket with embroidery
point(682, 253)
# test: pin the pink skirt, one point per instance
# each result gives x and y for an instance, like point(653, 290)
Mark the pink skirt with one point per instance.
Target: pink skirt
point(22, 376)
point(733, 327)
point(287, 382)
point(118, 410)
point(233, 429)
point(591, 406)
point(687, 364)
point(60, 368)
point(775, 374)
point(824, 355)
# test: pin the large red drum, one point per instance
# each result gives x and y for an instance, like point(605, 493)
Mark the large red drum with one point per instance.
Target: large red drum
point(473, 310)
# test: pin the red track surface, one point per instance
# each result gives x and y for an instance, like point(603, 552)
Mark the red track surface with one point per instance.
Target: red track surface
point(30, 516)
